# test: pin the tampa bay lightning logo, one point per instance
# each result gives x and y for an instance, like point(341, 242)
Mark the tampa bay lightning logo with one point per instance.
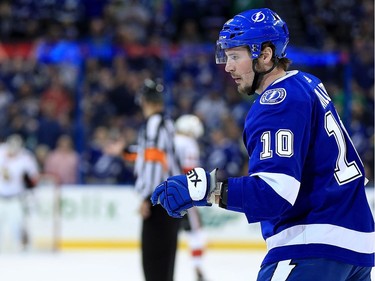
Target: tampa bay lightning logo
point(273, 96)
point(258, 17)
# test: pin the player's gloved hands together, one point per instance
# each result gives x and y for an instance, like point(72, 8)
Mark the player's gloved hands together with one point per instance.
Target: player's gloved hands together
point(179, 193)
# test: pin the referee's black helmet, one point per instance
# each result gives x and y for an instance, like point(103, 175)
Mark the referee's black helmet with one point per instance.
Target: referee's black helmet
point(152, 91)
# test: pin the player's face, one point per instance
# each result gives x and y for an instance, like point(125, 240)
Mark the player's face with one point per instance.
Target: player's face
point(239, 65)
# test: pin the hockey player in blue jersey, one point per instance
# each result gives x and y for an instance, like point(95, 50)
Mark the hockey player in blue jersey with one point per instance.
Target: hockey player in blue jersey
point(305, 181)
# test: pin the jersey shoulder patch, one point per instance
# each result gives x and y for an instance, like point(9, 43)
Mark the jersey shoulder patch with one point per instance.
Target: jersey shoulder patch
point(273, 96)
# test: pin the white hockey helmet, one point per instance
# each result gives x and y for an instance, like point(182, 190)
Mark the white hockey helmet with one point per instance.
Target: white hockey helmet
point(190, 125)
point(14, 143)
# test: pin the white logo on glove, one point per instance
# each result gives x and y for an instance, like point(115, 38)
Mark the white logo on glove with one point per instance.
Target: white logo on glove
point(197, 183)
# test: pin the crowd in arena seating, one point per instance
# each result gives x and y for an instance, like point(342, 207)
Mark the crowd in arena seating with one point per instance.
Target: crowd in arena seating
point(70, 70)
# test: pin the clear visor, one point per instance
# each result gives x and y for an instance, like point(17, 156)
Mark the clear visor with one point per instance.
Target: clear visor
point(220, 55)
point(222, 45)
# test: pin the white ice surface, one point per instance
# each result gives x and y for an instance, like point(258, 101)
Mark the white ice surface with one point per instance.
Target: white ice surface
point(124, 266)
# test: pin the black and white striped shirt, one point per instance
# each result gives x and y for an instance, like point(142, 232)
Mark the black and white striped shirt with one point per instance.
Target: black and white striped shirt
point(156, 159)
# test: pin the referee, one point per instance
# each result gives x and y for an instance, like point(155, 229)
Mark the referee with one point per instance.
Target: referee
point(155, 162)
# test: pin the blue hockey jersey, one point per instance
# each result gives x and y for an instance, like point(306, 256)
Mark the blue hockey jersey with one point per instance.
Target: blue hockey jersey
point(306, 181)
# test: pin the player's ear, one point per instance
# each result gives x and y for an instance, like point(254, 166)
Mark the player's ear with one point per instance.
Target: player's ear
point(266, 55)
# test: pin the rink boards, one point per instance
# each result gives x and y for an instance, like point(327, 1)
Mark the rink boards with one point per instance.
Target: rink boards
point(106, 217)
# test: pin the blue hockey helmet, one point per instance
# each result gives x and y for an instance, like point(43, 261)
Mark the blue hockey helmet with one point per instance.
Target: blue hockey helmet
point(252, 28)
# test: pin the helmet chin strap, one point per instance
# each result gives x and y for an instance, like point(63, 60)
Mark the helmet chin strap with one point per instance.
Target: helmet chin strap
point(258, 76)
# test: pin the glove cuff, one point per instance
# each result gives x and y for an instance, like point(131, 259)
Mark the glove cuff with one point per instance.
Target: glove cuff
point(223, 201)
point(197, 183)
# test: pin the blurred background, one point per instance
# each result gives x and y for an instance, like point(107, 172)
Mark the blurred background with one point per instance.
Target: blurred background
point(70, 71)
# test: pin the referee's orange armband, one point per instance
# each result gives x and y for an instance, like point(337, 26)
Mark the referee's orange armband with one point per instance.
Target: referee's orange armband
point(156, 155)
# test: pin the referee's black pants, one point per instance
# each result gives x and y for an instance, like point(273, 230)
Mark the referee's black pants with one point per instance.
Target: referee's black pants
point(159, 245)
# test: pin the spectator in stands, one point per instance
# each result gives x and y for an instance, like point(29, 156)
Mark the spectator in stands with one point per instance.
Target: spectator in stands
point(211, 104)
point(224, 150)
point(121, 98)
point(110, 167)
point(62, 162)
point(6, 99)
point(94, 150)
point(41, 153)
point(132, 21)
point(49, 129)
point(57, 97)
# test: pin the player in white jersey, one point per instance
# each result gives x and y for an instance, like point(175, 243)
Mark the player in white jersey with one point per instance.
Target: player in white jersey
point(18, 172)
point(188, 130)
point(305, 182)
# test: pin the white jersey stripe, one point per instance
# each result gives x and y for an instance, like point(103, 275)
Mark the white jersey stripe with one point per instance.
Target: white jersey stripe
point(286, 186)
point(327, 234)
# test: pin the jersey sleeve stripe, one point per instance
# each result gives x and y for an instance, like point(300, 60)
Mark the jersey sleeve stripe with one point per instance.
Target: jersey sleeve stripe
point(285, 186)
